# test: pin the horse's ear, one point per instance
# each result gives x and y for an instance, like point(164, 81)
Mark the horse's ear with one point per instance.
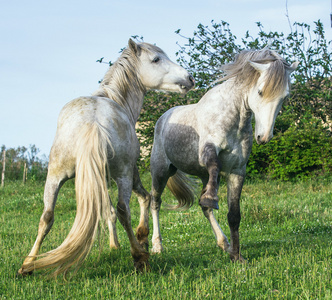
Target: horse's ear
point(293, 66)
point(259, 67)
point(134, 47)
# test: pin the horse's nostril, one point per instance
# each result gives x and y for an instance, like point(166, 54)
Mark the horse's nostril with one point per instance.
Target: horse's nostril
point(258, 139)
point(191, 78)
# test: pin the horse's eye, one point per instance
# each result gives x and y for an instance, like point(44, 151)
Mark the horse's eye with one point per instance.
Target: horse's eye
point(156, 59)
point(260, 93)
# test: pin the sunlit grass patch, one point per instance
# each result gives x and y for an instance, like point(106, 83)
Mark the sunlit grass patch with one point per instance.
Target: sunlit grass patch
point(285, 235)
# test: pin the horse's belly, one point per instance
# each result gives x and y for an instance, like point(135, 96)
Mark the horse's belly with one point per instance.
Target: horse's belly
point(186, 161)
point(181, 148)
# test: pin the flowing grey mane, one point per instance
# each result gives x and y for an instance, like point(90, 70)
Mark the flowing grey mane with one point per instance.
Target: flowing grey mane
point(247, 76)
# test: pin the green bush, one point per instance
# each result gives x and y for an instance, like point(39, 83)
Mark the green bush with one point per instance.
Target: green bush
point(303, 148)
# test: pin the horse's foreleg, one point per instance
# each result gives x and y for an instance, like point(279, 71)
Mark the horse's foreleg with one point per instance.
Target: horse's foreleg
point(52, 187)
point(142, 230)
point(221, 238)
point(139, 254)
point(234, 188)
point(210, 160)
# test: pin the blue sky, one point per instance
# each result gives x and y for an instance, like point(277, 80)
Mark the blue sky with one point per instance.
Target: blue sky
point(48, 49)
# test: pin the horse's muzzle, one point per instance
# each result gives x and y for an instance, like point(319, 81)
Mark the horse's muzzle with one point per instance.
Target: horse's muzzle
point(261, 140)
point(187, 84)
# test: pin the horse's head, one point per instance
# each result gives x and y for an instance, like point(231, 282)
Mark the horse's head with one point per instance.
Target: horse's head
point(157, 71)
point(267, 95)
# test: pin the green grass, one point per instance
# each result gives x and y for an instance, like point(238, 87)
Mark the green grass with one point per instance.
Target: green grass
point(285, 232)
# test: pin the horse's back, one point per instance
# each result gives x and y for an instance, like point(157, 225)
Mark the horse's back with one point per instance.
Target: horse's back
point(80, 114)
point(92, 109)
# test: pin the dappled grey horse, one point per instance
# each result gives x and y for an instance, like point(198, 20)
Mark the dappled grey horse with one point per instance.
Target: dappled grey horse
point(213, 138)
point(96, 140)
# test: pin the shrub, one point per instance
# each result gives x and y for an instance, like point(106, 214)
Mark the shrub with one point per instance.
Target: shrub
point(301, 150)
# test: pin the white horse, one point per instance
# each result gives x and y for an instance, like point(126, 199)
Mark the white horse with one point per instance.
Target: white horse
point(96, 140)
point(213, 138)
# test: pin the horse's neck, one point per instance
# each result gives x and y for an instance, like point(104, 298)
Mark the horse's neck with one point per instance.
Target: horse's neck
point(132, 102)
point(133, 105)
point(240, 102)
point(234, 103)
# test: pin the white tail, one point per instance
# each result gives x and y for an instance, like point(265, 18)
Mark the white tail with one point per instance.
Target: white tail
point(92, 200)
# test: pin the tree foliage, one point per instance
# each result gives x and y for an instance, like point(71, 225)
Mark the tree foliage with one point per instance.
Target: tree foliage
point(17, 157)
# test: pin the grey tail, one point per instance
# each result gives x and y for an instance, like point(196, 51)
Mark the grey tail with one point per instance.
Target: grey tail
point(183, 188)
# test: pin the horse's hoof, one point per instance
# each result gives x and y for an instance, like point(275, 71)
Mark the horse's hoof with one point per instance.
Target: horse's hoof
point(141, 263)
point(145, 245)
point(208, 202)
point(157, 249)
point(142, 266)
point(114, 247)
point(238, 258)
point(20, 273)
point(142, 234)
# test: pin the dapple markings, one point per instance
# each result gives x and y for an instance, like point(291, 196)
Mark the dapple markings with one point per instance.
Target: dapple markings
point(213, 139)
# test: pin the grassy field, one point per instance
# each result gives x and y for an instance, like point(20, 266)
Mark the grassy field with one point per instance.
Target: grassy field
point(286, 236)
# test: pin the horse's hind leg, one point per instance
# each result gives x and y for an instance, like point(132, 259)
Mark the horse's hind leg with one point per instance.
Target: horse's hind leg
point(52, 187)
point(234, 188)
point(111, 223)
point(142, 230)
point(139, 254)
point(160, 175)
